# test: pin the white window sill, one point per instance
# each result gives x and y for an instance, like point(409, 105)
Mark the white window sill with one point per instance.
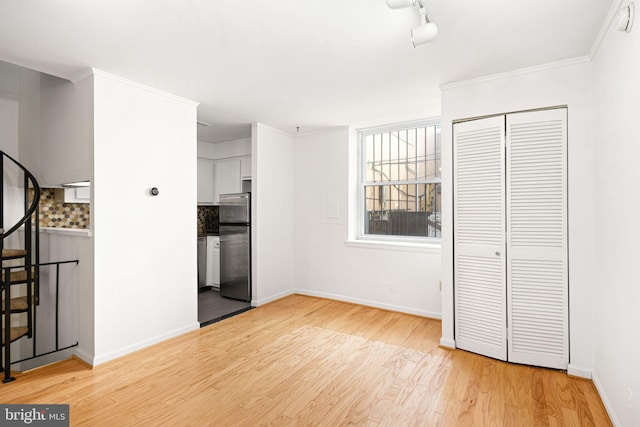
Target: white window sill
point(427, 248)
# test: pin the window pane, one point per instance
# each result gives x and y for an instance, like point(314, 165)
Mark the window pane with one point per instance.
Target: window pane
point(368, 158)
point(384, 157)
point(391, 210)
point(410, 165)
point(433, 203)
point(394, 156)
point(396, 202)
point(377, 150)
point(421, 153)
point(430, 152)
point(438, 155)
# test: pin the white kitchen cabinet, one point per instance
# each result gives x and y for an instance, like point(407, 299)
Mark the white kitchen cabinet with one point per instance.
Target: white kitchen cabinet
point(221, 176)
point(245, 167)
point(73, 195)
point(226, 178)
point(206, 168)
point(77, 195)
point(213, 262)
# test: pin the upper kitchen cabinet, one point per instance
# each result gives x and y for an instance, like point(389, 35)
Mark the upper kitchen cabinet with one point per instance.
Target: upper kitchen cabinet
point(245, 167)
point(73, 194)
point(223, 167)
point(206, 168)
point(227, 177)
point(217, 177)
point(66, 131)
point(77, 195)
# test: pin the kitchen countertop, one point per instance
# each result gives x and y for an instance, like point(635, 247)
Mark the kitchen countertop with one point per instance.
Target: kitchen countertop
point(80, 232)
point(68, 231)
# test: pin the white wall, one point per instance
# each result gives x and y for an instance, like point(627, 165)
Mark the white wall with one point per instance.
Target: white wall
point(223, 150)
point(569, 84)
point(66, 131)
point(9, 141)
point(75, 297)
point(9, 108)
point(272, 214)
point(403, 279)
point(29, 121)
point(145, 247)
point(617, 150)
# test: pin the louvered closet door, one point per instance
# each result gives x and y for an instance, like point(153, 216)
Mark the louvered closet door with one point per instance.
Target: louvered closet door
point(479, 237)
point(537, 278)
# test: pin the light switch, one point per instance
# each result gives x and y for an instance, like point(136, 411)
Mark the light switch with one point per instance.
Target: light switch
point(332, 206)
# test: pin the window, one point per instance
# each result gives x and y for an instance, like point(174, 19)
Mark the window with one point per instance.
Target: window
point(400, 190)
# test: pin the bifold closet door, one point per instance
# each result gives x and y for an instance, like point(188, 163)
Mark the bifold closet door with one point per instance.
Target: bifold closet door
point(510, 237)
point(479, 236)
point(537, 275)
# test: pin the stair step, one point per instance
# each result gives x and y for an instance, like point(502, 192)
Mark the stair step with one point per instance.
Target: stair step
point(19, 276)
point(13, 253)
point(16, 333)
point(19, 304)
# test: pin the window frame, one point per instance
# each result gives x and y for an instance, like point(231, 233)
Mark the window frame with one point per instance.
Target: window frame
point(362, 184)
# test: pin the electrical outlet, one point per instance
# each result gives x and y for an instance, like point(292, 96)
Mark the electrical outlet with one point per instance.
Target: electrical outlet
point(629, 399)
point(392, 287)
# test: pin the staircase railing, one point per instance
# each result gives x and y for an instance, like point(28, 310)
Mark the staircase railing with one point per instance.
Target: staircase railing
point(26, 274)
point(31, 313)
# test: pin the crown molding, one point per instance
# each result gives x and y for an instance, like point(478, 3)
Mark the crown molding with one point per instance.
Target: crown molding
point(259, 125)
point(77, 77)
point(519, 72)
point(320, 131)
point(595, 46)
point(604, 28)
point(103, 74)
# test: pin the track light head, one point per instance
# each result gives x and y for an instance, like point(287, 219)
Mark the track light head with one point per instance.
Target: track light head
point(400, 4)
point(424, 33)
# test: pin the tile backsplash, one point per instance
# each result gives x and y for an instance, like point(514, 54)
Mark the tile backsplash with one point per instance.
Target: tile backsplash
point(62, 215)
point(208, 219)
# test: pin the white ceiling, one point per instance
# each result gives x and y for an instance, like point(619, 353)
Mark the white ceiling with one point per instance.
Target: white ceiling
point(288, 63)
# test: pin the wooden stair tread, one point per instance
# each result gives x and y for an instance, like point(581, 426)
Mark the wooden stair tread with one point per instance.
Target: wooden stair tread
point(19, 276)
point(13, 253)
point(16, 332)
point(19, 304)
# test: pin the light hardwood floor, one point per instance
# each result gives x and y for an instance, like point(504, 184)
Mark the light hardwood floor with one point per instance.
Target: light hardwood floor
point(310, 361)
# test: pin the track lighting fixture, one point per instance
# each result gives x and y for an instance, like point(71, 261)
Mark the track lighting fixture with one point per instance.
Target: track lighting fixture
point(425, 32)
point(400, 4)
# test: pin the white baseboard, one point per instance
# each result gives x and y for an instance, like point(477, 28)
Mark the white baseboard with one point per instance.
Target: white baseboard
point(447, 342)
point(84, 356)
point(369, 303)
point(259, 302)
point(99, 359)
point(578, 371)
point(605, 400)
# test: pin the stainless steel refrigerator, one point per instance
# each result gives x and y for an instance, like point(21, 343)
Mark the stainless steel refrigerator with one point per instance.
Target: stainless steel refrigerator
point(235, 246)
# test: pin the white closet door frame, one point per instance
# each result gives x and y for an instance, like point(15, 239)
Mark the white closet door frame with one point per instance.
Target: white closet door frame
point(479, 236)
point(537, 260)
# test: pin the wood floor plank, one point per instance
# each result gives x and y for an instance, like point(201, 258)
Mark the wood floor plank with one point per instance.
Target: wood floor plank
point(312, 362)
point(594, 403)
point(469, 402)
point(538, 400)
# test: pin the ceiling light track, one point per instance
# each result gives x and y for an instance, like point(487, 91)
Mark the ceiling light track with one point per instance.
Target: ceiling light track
point(427, 31)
